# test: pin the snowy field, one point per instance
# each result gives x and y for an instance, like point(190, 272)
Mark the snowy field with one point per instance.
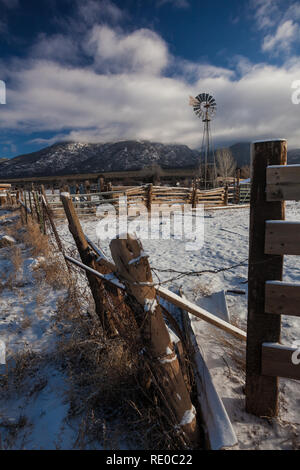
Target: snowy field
point(36, 415)
point(226, 241)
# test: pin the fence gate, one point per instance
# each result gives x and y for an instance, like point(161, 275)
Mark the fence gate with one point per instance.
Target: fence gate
point(271, 237)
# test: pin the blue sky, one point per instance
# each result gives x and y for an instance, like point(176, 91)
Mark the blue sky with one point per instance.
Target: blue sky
point(98, 70)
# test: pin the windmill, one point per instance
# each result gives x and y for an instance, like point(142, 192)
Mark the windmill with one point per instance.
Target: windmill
point(205, 108)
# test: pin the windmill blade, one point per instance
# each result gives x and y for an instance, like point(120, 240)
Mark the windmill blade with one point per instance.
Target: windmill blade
point(203, 103)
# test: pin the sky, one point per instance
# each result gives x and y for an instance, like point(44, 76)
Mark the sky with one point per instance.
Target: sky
point(103, 70)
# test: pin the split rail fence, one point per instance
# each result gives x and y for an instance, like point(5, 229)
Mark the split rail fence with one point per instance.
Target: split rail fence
point(148, 195)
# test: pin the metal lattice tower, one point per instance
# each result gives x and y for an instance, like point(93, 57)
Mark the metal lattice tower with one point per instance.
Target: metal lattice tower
point(205, 108)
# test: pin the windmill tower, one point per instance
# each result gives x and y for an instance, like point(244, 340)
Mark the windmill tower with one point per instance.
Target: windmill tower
point(205, 108)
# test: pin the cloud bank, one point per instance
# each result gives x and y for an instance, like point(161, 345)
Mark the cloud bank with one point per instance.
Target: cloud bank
point(108, 84)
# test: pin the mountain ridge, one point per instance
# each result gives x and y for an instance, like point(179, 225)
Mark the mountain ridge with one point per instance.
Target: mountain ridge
point(74, 158)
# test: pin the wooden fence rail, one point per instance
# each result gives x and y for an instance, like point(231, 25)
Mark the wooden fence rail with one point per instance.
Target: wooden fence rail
point(148, 195)
point(271, 237)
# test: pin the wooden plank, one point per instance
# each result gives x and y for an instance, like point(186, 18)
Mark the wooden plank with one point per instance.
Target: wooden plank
point(280, 361)
point(282, 237)
point(283, 192)
point(283, 183)
point(201, 313)
point(261, 391)
point(282, 298)
point(287, 174)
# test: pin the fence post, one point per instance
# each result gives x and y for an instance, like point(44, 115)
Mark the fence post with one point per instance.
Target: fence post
point(237, 188)
point(149, 196)
point(226, 195)
point(101, 183)
point(87, 189)
point(262, 391)
point(104, 304)
point(133, 267)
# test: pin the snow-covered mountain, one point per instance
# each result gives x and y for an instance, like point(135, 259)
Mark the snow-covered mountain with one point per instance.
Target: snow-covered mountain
point(71, 158)
point(68, 158)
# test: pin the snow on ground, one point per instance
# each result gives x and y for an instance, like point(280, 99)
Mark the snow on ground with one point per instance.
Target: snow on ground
point(34, 414)
point(226, 244)
point(33, 405)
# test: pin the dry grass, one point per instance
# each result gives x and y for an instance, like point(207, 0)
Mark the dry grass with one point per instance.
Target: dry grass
point(112, 385)
point(38, 242)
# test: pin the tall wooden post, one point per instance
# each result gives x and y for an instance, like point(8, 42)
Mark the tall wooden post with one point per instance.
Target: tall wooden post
point(107, 300)
point(237, 188)
point(101, 184)
point(30, 204)
point(262, 391)
point(194, 196)
point(87, 189)
point(226, 195)
point(133, 267)
point(149, 196)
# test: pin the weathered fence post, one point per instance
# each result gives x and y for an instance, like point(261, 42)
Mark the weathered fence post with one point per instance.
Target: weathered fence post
point(30, 204)
point(133, 267)
point(194, 197)
point(237, 187)
point(262, 391)
point(149, 196)
point(26, 214)
point(226, 195)
point(87, 189)
point(101, 184)
point(107, 300)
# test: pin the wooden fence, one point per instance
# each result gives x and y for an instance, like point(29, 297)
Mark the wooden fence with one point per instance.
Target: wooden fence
point(148, 195)
point(271, 237)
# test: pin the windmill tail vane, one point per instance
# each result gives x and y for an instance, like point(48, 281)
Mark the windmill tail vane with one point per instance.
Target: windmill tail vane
point(193, 101)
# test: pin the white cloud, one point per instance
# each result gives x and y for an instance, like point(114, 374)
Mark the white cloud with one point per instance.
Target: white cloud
point(81, 104)
point(57, 47)
point(266, 12)
point(126, 92)
point(285, 35)
point(279, 22)
point(142, 51)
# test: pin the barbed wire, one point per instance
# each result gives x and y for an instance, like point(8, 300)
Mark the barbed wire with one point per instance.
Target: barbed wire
point(182, 274)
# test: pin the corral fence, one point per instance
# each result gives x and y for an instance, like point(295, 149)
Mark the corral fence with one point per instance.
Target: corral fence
point(271, 237)
point(148, 195)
